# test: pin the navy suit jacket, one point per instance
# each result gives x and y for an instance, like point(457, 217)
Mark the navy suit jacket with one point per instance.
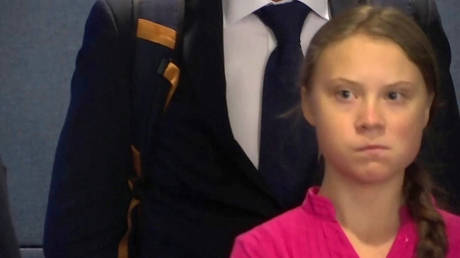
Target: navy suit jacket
point(201, 190)
point(8, 243)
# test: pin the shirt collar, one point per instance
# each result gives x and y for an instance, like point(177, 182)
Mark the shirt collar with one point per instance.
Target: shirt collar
point(235, 10)
point(318, 205)
point(323, 207)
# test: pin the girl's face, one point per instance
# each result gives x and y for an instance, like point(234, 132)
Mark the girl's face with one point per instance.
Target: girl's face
point(369, 104)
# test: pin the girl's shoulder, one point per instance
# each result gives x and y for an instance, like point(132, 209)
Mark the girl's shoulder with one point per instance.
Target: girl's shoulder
point(288, 223)
point(275, 236)
point(452, 222)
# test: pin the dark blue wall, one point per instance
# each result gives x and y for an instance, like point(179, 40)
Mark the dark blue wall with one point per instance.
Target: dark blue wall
point(38, 44)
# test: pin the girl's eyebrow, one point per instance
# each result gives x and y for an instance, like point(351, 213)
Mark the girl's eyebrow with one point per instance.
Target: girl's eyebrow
point(343, 80)
point(401, 83)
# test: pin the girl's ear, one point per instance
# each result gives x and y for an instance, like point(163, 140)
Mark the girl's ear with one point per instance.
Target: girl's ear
point(306, 106)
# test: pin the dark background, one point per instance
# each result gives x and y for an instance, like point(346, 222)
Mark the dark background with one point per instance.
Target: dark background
point(38, 44)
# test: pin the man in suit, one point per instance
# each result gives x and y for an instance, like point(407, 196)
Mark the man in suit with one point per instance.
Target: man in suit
point(8, 243)
point(202, 185)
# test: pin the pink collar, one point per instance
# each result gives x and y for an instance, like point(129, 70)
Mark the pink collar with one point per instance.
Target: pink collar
point(323, 208)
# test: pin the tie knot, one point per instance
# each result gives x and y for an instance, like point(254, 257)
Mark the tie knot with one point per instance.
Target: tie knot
point(285, 20)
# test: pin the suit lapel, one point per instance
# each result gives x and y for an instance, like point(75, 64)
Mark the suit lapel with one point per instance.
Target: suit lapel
point(203, 71)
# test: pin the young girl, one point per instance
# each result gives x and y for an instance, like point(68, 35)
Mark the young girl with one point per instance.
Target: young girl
point(369, 87)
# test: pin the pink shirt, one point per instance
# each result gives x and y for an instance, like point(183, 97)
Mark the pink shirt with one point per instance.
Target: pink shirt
point(312, 230)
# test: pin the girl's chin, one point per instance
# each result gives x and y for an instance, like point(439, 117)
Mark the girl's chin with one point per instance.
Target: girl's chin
point(372, 173)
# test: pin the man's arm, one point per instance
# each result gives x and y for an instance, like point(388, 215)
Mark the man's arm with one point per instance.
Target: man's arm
point(89, 194)
point(441, 149)
point(8, 243)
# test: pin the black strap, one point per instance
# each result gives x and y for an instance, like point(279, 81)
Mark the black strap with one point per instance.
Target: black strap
point(168, 12)
point(124, 14)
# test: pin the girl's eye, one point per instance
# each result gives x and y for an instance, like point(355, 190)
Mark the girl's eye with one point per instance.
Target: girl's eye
point(393, 95)
point(344, 94)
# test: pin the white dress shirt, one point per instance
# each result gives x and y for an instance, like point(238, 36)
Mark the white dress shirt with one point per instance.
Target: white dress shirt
point(247, 45)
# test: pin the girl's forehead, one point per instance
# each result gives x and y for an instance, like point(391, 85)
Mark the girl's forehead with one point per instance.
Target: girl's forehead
point(366, 63)
point(365, 56)
point(359, 44)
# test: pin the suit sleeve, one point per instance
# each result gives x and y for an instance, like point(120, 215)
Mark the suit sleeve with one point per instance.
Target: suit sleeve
point(89, 195)
point(8, 243)
point(442, 149)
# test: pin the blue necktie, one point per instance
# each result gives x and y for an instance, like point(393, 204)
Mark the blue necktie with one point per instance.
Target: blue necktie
point(287, 143)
